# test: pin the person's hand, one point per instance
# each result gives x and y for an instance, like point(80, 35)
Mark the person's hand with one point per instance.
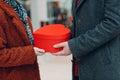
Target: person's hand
point(39, 51)
point(65, 51)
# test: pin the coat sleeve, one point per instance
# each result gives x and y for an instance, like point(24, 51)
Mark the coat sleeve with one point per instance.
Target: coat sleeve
point(15, 56)
point(108, 29)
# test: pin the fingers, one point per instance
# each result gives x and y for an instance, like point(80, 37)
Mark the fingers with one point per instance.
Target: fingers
point(58, 53)
point(61, 53)
point(65, 51)
point(59, 45)
point(41, 50)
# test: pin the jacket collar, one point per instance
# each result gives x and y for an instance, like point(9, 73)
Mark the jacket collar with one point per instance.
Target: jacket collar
point(79, 5)
point(8, 9)
point(15, 19)
point(74, 9)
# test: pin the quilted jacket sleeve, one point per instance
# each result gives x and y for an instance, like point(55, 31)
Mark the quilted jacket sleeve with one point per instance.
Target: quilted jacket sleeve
point(15, 56)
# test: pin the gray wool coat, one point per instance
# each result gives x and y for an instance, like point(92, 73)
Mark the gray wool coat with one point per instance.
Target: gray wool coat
point(96, 39)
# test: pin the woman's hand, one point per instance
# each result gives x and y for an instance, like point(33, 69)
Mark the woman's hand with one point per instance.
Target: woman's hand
point(39, 51)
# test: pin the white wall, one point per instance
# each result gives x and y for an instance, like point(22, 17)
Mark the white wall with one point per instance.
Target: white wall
point(38, 12)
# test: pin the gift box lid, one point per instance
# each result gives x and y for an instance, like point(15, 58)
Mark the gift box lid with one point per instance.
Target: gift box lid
point(52, 31)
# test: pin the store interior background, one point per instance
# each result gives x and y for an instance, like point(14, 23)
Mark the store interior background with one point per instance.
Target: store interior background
point(44, 12)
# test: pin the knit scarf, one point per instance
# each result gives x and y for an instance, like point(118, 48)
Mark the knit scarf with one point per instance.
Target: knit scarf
point(23, 16)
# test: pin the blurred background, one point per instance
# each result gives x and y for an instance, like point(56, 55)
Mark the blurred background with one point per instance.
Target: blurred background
point(44, 12)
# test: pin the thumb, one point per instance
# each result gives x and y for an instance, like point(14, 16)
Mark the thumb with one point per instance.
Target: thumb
point(59, 45)
point(41, 50)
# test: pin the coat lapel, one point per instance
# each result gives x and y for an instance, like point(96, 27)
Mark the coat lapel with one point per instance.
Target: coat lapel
point(73, 7)
point(15, 19)
point(79, 5)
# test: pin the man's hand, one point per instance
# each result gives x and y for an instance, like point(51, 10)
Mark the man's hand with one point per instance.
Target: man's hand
point(39, 51)
point(66, 50)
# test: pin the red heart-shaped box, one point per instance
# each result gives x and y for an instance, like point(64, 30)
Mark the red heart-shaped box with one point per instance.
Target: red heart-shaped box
point(49, 35)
